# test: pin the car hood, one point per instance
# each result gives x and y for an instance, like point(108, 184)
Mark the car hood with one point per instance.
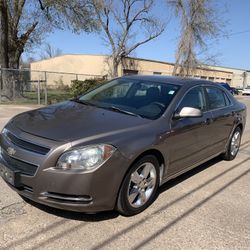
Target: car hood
point(69, 121)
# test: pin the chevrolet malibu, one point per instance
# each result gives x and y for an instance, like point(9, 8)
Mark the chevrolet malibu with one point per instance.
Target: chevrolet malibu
point(112, 147)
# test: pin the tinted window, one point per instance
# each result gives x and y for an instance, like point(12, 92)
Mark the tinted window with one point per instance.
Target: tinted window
point(115, 91)
point(145, 98)
point(194, 99)
point(228, 102)
point(216, 98)
point(144, 89)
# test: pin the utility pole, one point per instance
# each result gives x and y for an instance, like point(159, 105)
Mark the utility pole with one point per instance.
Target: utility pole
point(244, 79)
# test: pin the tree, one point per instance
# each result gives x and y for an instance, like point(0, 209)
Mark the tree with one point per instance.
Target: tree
point(199, 23)
point(121, 21)
point(49, 51)
point(23, 25)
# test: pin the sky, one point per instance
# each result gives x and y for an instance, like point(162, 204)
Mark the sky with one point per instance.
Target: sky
point(232, 50)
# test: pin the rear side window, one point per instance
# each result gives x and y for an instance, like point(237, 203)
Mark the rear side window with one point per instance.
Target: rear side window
point(194, 99)
point(216, 98)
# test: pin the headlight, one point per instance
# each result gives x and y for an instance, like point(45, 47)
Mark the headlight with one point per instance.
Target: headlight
point(86, 158)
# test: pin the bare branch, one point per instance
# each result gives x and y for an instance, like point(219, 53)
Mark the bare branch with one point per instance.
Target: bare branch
point(151, 37)
point(41, 5)
point(121, 23)
point(24, 37)
point(104, 22)
point(198, 23)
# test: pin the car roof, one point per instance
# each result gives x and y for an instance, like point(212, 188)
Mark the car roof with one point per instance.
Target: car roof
point(168, 79)
point(223, 83)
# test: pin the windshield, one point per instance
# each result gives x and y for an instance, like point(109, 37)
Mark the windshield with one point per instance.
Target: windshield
point(132, 97)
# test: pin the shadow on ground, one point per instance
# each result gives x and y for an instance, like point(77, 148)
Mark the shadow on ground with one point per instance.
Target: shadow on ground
point(108, 215)
point(111, 215)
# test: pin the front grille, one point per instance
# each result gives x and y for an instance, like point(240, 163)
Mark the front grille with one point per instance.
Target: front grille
point(23, 167)
point(27, 145)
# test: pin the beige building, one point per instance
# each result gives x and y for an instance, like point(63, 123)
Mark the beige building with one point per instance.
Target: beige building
point(240, 77)
point(63, 69)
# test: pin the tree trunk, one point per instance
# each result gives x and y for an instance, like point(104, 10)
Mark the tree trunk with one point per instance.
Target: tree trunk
point(115, 64)
point(10, 84)
point(6, 90)
point(14, 61)
point(11, 80)
point(3, 35)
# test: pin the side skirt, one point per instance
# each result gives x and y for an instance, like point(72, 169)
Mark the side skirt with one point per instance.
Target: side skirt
point(188, 169)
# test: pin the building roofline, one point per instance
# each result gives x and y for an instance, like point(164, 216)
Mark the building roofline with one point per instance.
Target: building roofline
point(148, 60)
point(168, 63)
point(226, 67)
point(68, 55)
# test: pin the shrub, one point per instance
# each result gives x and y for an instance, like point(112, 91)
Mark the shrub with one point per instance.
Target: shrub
point(79, 87)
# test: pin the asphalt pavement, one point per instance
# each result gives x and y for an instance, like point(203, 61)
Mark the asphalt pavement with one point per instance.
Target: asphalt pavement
point(206, 208)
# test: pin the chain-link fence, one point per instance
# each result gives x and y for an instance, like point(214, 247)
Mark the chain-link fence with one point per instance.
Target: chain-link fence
point(37, 87)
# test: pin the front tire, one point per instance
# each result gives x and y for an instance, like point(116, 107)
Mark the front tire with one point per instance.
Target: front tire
point(139, 187)
point(233, 146)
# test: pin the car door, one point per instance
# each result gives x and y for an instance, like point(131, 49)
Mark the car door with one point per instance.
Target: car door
point(222, 112)
point(189, 136)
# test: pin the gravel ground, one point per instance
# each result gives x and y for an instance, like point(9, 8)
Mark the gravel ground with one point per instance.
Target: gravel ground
point(206, 208)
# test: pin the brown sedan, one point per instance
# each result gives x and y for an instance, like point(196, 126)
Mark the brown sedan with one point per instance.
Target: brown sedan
point(115, 145)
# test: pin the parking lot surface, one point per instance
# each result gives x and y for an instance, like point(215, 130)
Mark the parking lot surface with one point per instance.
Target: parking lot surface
point(206, 208)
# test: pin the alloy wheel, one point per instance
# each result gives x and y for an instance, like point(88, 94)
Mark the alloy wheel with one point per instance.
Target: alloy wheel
point(235, 143)
point(141, 185)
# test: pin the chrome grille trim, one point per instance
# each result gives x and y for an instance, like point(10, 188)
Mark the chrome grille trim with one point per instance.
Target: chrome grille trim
point(29, 146)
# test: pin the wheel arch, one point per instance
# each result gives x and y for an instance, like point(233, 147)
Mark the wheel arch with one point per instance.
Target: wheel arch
point(154, 152)
point(240, 125)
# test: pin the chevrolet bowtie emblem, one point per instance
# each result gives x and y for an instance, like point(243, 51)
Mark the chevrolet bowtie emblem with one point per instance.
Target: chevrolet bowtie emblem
point(11, 151)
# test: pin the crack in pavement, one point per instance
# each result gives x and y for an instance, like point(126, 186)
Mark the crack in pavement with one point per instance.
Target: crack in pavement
point(12, 211)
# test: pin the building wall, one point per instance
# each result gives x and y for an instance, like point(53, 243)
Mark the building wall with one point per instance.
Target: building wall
point(149, 67)
point(239, 76)
point(63, 69)
point(247, 79)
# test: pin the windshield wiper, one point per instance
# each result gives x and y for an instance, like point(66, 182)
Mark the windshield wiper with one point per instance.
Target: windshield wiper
point(116, 109)
point(83, 102)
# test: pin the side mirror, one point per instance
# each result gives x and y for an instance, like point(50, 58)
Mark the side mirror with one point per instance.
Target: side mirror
point(188, 112)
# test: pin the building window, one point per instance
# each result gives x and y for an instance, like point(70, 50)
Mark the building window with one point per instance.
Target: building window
point(130, 72)
point(157, 73)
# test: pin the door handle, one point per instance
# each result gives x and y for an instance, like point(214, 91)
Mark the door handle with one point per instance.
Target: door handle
point(208, 121)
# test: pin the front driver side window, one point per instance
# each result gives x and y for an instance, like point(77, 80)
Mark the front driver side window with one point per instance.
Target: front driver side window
point(194, 99)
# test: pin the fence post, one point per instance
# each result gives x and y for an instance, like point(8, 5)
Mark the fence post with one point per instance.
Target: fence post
point(14, 88)
point(1, 84)
point(45, 90)
point(38, 93)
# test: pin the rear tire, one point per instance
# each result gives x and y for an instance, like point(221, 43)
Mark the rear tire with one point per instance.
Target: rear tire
point(139, 186)
point(233, 146)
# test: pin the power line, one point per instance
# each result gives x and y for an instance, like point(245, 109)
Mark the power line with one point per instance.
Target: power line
point(237, 33)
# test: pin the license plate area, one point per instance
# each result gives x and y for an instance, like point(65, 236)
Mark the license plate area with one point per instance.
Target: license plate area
point(10, 176)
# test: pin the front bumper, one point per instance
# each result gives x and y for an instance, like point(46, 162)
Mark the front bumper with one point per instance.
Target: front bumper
point(75, 191)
